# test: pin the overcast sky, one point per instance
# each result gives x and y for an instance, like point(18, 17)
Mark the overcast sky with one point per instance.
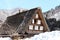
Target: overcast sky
point(28, 4)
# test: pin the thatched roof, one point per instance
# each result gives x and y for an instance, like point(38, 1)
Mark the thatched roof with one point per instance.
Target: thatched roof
point(13, 22)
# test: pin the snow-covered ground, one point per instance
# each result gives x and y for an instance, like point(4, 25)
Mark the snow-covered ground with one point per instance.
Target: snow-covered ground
point(5, 38)
point(54, 35)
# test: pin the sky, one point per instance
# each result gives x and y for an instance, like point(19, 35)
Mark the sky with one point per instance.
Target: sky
point(45, 5)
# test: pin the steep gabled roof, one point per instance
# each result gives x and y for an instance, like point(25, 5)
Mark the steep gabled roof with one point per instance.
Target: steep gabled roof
point(20, 17)
point(13, 22)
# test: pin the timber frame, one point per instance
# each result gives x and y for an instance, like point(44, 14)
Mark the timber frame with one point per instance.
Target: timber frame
point(25, 24)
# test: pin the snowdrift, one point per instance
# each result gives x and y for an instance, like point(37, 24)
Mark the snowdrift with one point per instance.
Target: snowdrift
point(5, 38)
point(54, 35)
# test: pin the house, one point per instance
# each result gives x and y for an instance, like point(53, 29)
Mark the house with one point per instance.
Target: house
point(26, 22)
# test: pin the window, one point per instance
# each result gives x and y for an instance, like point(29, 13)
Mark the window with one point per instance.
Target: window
point(33, 21)
point(30, 27)
point(38, 21)
point(36, 15)
point(41, 27)
point(36, 27)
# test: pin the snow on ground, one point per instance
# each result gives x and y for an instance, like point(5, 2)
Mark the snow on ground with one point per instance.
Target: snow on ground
point(54, 35)
point(5, 38)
